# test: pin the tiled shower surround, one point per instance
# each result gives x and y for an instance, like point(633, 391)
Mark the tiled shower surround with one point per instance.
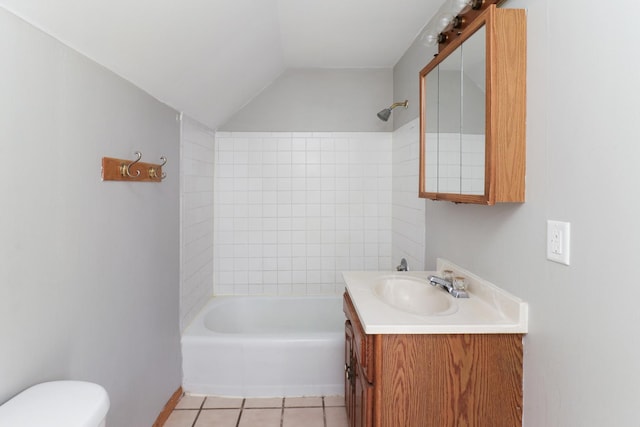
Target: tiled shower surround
point(197, 146)
point(408, 226)
point(294, 209)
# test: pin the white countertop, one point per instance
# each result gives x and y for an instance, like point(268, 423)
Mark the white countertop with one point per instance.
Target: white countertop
point(488, 309)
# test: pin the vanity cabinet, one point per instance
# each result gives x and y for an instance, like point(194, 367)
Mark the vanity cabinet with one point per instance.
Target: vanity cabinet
point(358, 390)
point(472, 112)
point(440, 380)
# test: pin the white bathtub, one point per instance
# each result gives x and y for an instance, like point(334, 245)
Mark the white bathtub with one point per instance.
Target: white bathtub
point(265, 347)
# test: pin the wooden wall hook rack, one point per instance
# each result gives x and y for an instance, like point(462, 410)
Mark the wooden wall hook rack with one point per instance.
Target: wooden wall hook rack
point(132, 170)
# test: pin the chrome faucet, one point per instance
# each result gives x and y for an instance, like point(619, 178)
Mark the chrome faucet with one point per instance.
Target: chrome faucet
point(403, 265)
point(447, 286)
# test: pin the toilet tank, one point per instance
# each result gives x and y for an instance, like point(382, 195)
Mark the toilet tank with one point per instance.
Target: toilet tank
point(57, 404)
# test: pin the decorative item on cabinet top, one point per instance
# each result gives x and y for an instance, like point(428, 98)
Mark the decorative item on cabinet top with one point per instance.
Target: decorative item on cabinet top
point(132, 170)
point(451, 19)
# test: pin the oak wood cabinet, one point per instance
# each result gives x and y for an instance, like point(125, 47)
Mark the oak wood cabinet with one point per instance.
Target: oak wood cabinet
point(358, 370)
point(418, 380)
point(473, 113)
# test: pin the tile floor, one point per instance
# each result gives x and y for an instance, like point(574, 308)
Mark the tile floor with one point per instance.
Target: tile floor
point(200, 411)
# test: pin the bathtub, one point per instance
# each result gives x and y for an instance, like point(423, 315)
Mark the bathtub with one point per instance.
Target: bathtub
point(265, 347)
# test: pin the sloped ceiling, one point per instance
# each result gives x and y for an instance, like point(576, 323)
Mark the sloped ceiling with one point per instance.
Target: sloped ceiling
point(208, 58)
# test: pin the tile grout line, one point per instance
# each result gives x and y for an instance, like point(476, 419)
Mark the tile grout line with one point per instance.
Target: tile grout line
point(198, 414)
point(324, 413)
point(240, 414)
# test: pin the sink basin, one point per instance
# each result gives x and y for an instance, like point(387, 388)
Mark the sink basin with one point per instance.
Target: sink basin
point(414, 295)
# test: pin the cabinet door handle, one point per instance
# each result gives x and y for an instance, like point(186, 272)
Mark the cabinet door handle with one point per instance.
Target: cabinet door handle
point(348, 371)
point(351, 377)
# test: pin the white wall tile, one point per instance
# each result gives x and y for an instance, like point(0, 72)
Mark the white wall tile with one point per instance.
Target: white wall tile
point(197, 145)
point(407, 231)
point(316, 194)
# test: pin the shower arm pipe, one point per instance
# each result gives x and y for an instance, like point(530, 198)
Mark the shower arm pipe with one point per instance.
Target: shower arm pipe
point(399, 104)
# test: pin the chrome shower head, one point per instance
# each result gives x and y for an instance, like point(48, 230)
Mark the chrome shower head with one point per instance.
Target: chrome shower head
point(384, 114)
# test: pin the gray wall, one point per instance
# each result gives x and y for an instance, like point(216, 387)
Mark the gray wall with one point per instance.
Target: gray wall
point(88, 269)
point(581, 355)
point(406, 75)
point(320, 100)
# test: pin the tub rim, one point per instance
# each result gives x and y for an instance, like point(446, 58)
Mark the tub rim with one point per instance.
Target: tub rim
point(197, 330)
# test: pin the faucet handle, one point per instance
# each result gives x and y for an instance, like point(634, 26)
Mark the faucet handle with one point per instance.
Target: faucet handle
point(403, 265)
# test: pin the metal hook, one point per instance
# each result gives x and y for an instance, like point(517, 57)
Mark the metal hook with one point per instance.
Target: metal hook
point(164, 162)
point(125, 169)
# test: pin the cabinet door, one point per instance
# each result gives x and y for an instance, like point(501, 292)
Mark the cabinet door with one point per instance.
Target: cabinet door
point(473, 80)
point(363, 400)
point(349, 374)
point(429, 162)
point(449, 123)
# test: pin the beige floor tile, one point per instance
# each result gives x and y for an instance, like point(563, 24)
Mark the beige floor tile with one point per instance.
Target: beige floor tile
point(263, 402)
point(261, 417)
point(307, 417)
point(181, 418)
point(334, 401)
point(218, 418)
point(190, 402)
point(297, 402)
point(336, 416)
point(215, 402)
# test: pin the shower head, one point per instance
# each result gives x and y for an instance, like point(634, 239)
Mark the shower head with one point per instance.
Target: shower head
point(384, 114)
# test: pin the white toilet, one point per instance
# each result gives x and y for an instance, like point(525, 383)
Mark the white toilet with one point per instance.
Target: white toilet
point(57, 404)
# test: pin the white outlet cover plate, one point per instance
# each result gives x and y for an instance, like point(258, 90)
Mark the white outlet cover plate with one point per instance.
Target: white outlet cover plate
point(558, 241)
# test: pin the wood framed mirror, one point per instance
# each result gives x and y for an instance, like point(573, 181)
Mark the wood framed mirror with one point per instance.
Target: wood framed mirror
point(472, 113)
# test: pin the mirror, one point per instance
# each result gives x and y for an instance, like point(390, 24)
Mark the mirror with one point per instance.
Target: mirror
point(472, 112)
point(454, 117)
point(449, 123)
point(472, 146)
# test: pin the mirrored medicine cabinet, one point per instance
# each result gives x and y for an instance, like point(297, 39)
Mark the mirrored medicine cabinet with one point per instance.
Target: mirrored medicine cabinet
point(472, 113)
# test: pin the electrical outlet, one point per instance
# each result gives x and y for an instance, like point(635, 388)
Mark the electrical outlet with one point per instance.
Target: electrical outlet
point(558, 241)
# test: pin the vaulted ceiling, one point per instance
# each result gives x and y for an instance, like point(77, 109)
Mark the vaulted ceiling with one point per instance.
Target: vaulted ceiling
point(208, 58)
